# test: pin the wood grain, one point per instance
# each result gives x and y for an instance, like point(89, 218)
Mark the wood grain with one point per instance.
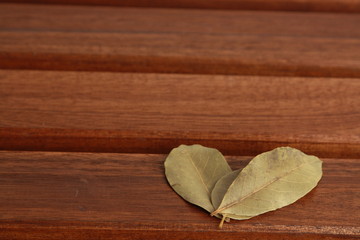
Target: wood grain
point(47, 195)
point(348, 6)
point(179, 41)
point(153, 113)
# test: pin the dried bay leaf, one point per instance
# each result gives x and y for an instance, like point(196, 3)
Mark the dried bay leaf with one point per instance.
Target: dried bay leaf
point(192, 171)
point(221, 187)
point(218, 193)
point(270, 181)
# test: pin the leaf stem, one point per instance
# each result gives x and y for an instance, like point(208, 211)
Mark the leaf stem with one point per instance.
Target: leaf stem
point(214, 213)
point(222, 221)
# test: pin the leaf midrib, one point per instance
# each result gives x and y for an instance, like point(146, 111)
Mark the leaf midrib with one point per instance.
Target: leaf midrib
point(252, 193)
point(197, 171)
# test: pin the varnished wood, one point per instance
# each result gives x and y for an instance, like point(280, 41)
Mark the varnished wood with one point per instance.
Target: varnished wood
point(197, 41)
point(47, 195)
point(348, 6)
point(152, 113)
point(69, 195)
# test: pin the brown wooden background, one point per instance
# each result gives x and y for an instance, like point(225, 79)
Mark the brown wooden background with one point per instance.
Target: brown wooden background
point(94, 94)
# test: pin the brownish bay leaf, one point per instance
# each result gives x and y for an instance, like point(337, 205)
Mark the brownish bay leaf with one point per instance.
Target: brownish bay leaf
point(192, 171)
point(270, 181)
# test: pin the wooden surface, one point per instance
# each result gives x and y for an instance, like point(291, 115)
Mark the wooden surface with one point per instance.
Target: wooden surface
point(126, 196)
point(348, 6)
point(129, 112)
point(136, 82)
point(179, 41)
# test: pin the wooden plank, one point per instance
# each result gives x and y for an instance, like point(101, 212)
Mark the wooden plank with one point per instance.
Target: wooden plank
point(46, 195)
point(152, 113)
point(196, 41)
point(348, 6)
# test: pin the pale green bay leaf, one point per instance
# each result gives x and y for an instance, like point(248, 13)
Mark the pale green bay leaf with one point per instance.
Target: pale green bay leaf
point(222, 186)
point(270, 181)
point(192, 171)
point(219, 191)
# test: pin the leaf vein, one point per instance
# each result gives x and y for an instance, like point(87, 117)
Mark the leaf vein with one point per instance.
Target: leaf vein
point(197, 171)
point(289, 181)
point(257, 190)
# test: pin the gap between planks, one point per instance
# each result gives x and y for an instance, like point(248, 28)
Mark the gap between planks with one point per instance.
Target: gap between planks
point(345, 6)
